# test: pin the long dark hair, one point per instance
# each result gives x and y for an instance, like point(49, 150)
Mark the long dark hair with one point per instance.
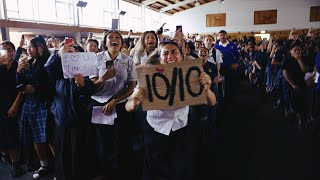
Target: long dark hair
point(143, 37)
point(37, 42)
point(140, 46)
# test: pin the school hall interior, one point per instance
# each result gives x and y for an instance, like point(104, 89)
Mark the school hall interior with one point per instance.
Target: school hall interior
point(260, 113)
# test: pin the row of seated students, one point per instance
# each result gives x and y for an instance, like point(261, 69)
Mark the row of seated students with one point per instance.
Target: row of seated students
point(289, 72)
point(43, 108)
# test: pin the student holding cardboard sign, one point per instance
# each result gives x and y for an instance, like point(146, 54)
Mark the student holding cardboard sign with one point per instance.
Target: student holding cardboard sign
point(166, 141)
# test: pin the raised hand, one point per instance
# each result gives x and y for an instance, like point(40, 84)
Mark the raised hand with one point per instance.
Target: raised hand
point(23, 64)
point(110, 73)
point(205, 80)
point(79, 80)
point(66, 48)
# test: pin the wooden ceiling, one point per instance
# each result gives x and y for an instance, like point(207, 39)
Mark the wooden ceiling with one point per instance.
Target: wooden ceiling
point(170, 6)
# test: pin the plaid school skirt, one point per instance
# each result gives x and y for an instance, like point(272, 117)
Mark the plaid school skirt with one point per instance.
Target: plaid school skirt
point(33, 121)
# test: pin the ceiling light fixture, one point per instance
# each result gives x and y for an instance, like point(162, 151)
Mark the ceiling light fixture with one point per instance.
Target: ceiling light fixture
point(82, 4)
point(197, 3)
point(122, 13)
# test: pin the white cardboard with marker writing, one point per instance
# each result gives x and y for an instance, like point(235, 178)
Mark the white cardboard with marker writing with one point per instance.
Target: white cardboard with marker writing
point(79, 62)
point(161, 87)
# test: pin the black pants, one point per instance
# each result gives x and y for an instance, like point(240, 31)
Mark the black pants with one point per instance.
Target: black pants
point(201, 134)
point(167, 157)
point(232, 80)
point(74, 153)
point(114, 148)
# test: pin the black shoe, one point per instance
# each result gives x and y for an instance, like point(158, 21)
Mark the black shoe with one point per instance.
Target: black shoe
point(16, 171)
point(42, 171)
point(6, 158)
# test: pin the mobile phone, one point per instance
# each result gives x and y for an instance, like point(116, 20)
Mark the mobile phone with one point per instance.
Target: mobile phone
point(3, 53)
point(68, 40)
point(91, 35)
point(109, 64)
point(22, 37)
point(23, 56)
point(179, 27)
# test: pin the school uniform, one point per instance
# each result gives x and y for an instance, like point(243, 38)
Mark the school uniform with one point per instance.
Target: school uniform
point(74, 141)
point(215, 56)
point(318, 70)
point(201, 130)
point(295, 100)
point(316, 106)
point(231, 56)
point(139, 119)
point(33, 119)
point(250, 61)
point(262, 57)
point(9, 138)
point(114, 139)
point(142, 59)
point(168, 149)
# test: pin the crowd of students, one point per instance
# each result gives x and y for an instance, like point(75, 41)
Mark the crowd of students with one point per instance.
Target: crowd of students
point(288, 69)
point(39, 107)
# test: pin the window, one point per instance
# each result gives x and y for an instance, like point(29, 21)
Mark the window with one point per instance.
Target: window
point(20, 9)
point(46, 10)
point(132, 19)
point(60, 11)
point(64, 11)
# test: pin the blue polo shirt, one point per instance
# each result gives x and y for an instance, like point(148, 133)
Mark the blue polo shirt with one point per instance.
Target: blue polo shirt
point(230, 54)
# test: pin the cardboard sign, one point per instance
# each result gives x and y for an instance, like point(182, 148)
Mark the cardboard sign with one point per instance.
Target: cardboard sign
point(79, 62)
point(172, 85)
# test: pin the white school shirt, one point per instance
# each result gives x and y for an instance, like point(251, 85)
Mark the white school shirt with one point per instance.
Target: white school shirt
point(316, 78)
point(143, 58)
point(224, 44)
point(218, 57)
point(125, 72)
point(163, 121)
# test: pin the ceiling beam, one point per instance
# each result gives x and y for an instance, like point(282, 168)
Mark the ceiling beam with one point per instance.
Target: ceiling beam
point(161, 4)
point(176, 5)
point(190, 6)
point(169, 1)
point(147, 2)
